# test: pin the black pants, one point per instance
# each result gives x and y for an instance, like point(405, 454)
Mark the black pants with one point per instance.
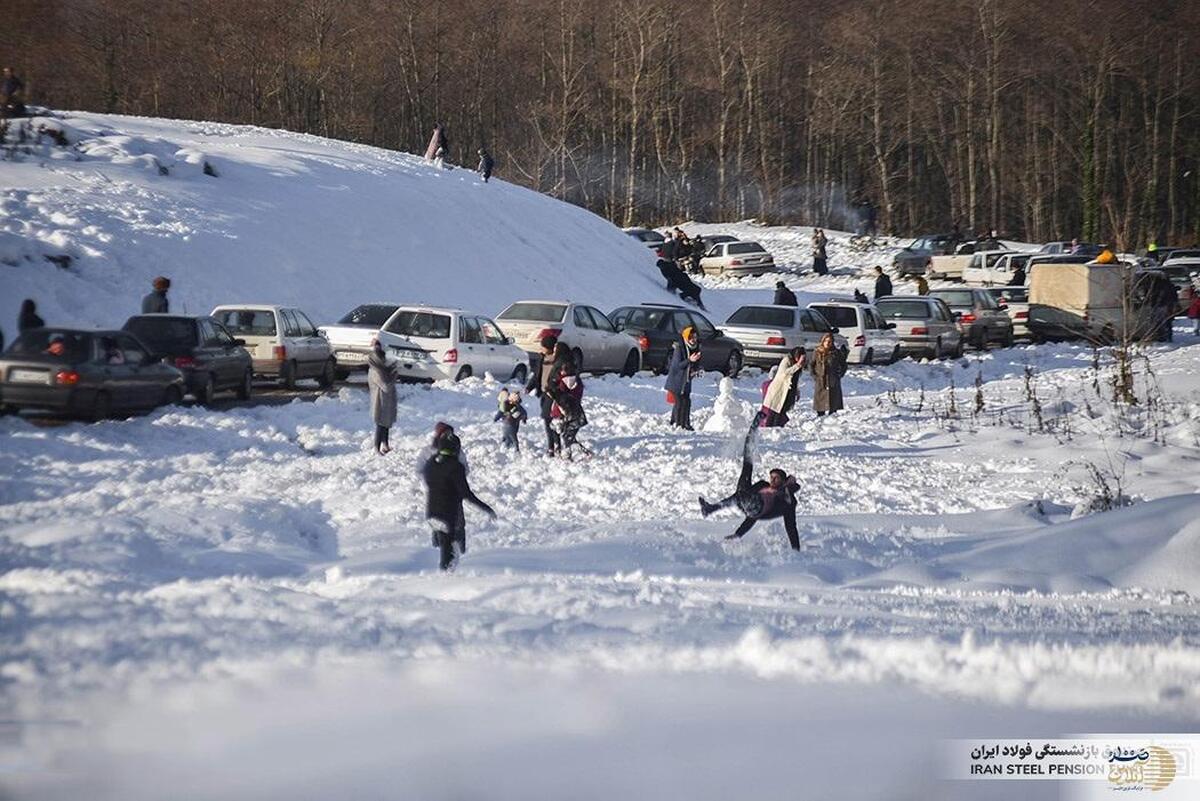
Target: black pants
point(553, 442)
point(381, 436)
point(451, 545)
point(681, 412)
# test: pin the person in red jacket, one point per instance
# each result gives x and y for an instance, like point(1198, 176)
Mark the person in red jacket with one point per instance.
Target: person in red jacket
point(567, 415)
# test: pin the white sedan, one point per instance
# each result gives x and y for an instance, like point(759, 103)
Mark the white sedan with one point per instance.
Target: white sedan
point(737, 259)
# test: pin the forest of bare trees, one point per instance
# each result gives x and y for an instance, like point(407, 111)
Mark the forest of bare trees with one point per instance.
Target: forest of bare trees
point(1043, 120)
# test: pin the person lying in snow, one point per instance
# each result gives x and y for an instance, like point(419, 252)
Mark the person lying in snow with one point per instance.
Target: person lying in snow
point(761, 500)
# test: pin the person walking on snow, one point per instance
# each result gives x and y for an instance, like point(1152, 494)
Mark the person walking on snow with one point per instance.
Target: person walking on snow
point(819, 244)
point(683, 365)
point(784, 296)
point(486, 163)
point(567, 415)
point(381, 386)
point(781, 390)
point(828, 365)
point(883, 284)
point(511, 414)
point(446, 488)
point(760, 500)
point(543, 382)
point(28, 319)
point(156, 301)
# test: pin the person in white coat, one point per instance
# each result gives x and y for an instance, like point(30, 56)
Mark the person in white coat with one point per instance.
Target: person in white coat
point(780, 394)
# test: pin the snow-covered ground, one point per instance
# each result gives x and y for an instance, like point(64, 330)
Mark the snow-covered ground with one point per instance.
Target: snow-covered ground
point(244, 604)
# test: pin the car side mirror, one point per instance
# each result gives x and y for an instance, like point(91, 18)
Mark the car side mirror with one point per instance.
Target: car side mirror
point(509, 341)
point(889, 325)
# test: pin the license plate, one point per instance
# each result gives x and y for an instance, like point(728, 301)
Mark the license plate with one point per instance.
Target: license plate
point(28, 376)
point(758, 353)
point(350, 356)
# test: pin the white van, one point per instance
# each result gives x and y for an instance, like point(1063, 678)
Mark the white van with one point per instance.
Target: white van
point(282, 341)
point(871, 339)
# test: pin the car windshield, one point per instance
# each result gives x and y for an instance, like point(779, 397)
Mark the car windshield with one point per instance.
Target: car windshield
point(646, 319)
point(50, 345)
point(762, 317)
point(956, 297)
point(371, 315)
point(839, 316)
point(743, 247)
point(164, 334)
point(904, 309)
point(426, 325)
point(247, 322)
point(535, 312)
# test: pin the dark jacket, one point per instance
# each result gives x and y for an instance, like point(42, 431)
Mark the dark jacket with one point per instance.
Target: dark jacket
point(155, 303)
point(568, 403)
point(883, 287)
point(785, 297)
point(1018, 277)
point(763, 503)
point(29, 320)
point(680, 370)
point(486, 163)
point(543, 381)
point(447, 488)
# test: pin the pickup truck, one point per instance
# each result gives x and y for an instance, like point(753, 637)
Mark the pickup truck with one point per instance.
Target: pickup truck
point(951, 267)
point(992, 267)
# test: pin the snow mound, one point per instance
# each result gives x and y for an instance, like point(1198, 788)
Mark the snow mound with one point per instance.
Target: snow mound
point(242, 214)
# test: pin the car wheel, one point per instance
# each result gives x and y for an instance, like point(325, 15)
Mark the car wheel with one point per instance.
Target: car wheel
point(244, 389)
point(287, 375)
point(631, 364)
point(340, 374)
point(869, 359)
point(734, 365)
point(519, 373)
point(173, 396)
point(101, 407)
point(208, 391)
point(577, 355)
point(328, 375)
point(463, 372)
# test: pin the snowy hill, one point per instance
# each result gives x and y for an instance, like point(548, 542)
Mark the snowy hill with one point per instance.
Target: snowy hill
point(238, 213)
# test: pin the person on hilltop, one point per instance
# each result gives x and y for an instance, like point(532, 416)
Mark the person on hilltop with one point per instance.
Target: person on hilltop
point(156, 301)
point(679, 281)
point(820, 255)
point(28, 318)
point(486, 163)
point(543, 382)
point(381, 386)
point(784, 296)
point(682, 367)
point(760, 500)
point(446, 489)
point(883, 284)
point(12, 95)
point(439, 144)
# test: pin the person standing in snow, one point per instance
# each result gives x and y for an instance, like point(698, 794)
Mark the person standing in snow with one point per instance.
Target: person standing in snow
point(760, 500)
point(883, 284)
point(922, 287)
point(381, 386)
point(28, 319)
point(511, 414)
point(156, 301)
point(446, 489)
point(486, 163)
point(438, 141)
point(828, 365)
point(567, 415)
point(683, 365)
point(696, 255)
point(543, 382)
point(12, 90)
point(783, 295)
point(819, 243)
point(782, 389)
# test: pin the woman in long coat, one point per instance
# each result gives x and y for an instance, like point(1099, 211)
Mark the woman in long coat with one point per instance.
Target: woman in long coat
point(828, 365)
point(381, 385)
point(781, 391)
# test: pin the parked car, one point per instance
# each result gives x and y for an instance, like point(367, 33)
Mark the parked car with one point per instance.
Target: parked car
point(1065, 249)
point(87, 373)
point(351, 336)
point(993, 267)
point(647, 236)
point(595, 342)
point(1015, 301)
point(871, 339)
point(1184, 273)
point(951, 267)
point(980, 316)
point(282, 342)
point(914, 258)
point(209, 357)
point(459, 345)
point(767, 332)
point(1179, 254)
point(711, 240)
point(658, 326)
point(1096, 302)
point(924, 324)
point(737, 259)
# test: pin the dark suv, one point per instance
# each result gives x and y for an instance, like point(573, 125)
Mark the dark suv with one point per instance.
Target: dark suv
point(209, 358)
point(658, 326)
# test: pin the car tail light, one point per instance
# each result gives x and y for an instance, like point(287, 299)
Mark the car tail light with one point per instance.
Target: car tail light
point(549, 332)
point(918, 330)
point(860, 341)
point(67, 378)
point(279, 353)
point(644, 342)
point(451, 356)
point(184, 361)
point(968, 317)
point(735, 263)
point(780, 341)
point(1021, 315)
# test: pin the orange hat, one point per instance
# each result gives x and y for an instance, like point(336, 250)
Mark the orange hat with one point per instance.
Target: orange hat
point(688, 331)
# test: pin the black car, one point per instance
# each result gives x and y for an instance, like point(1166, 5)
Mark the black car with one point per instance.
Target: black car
point(209, 358)
point(658, 326)
point(87, 373)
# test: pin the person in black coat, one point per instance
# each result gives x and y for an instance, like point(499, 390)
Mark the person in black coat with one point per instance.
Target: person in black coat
point(784, 296)
point(1018, 277)
point(760, 500)
point(28, 318)
point(486, 163)
point(156, 302)
point(543, 382)
point(883, 284)
point(446, 489)
point(679, 281)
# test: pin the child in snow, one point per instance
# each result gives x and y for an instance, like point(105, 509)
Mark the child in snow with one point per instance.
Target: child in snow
point(446, 490)
point(567, 415)
point(511, 414)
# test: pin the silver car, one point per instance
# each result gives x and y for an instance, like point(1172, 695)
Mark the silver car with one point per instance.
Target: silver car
point(737, 259)
point(767, 332)
point(981, 318)
point(925, 325)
